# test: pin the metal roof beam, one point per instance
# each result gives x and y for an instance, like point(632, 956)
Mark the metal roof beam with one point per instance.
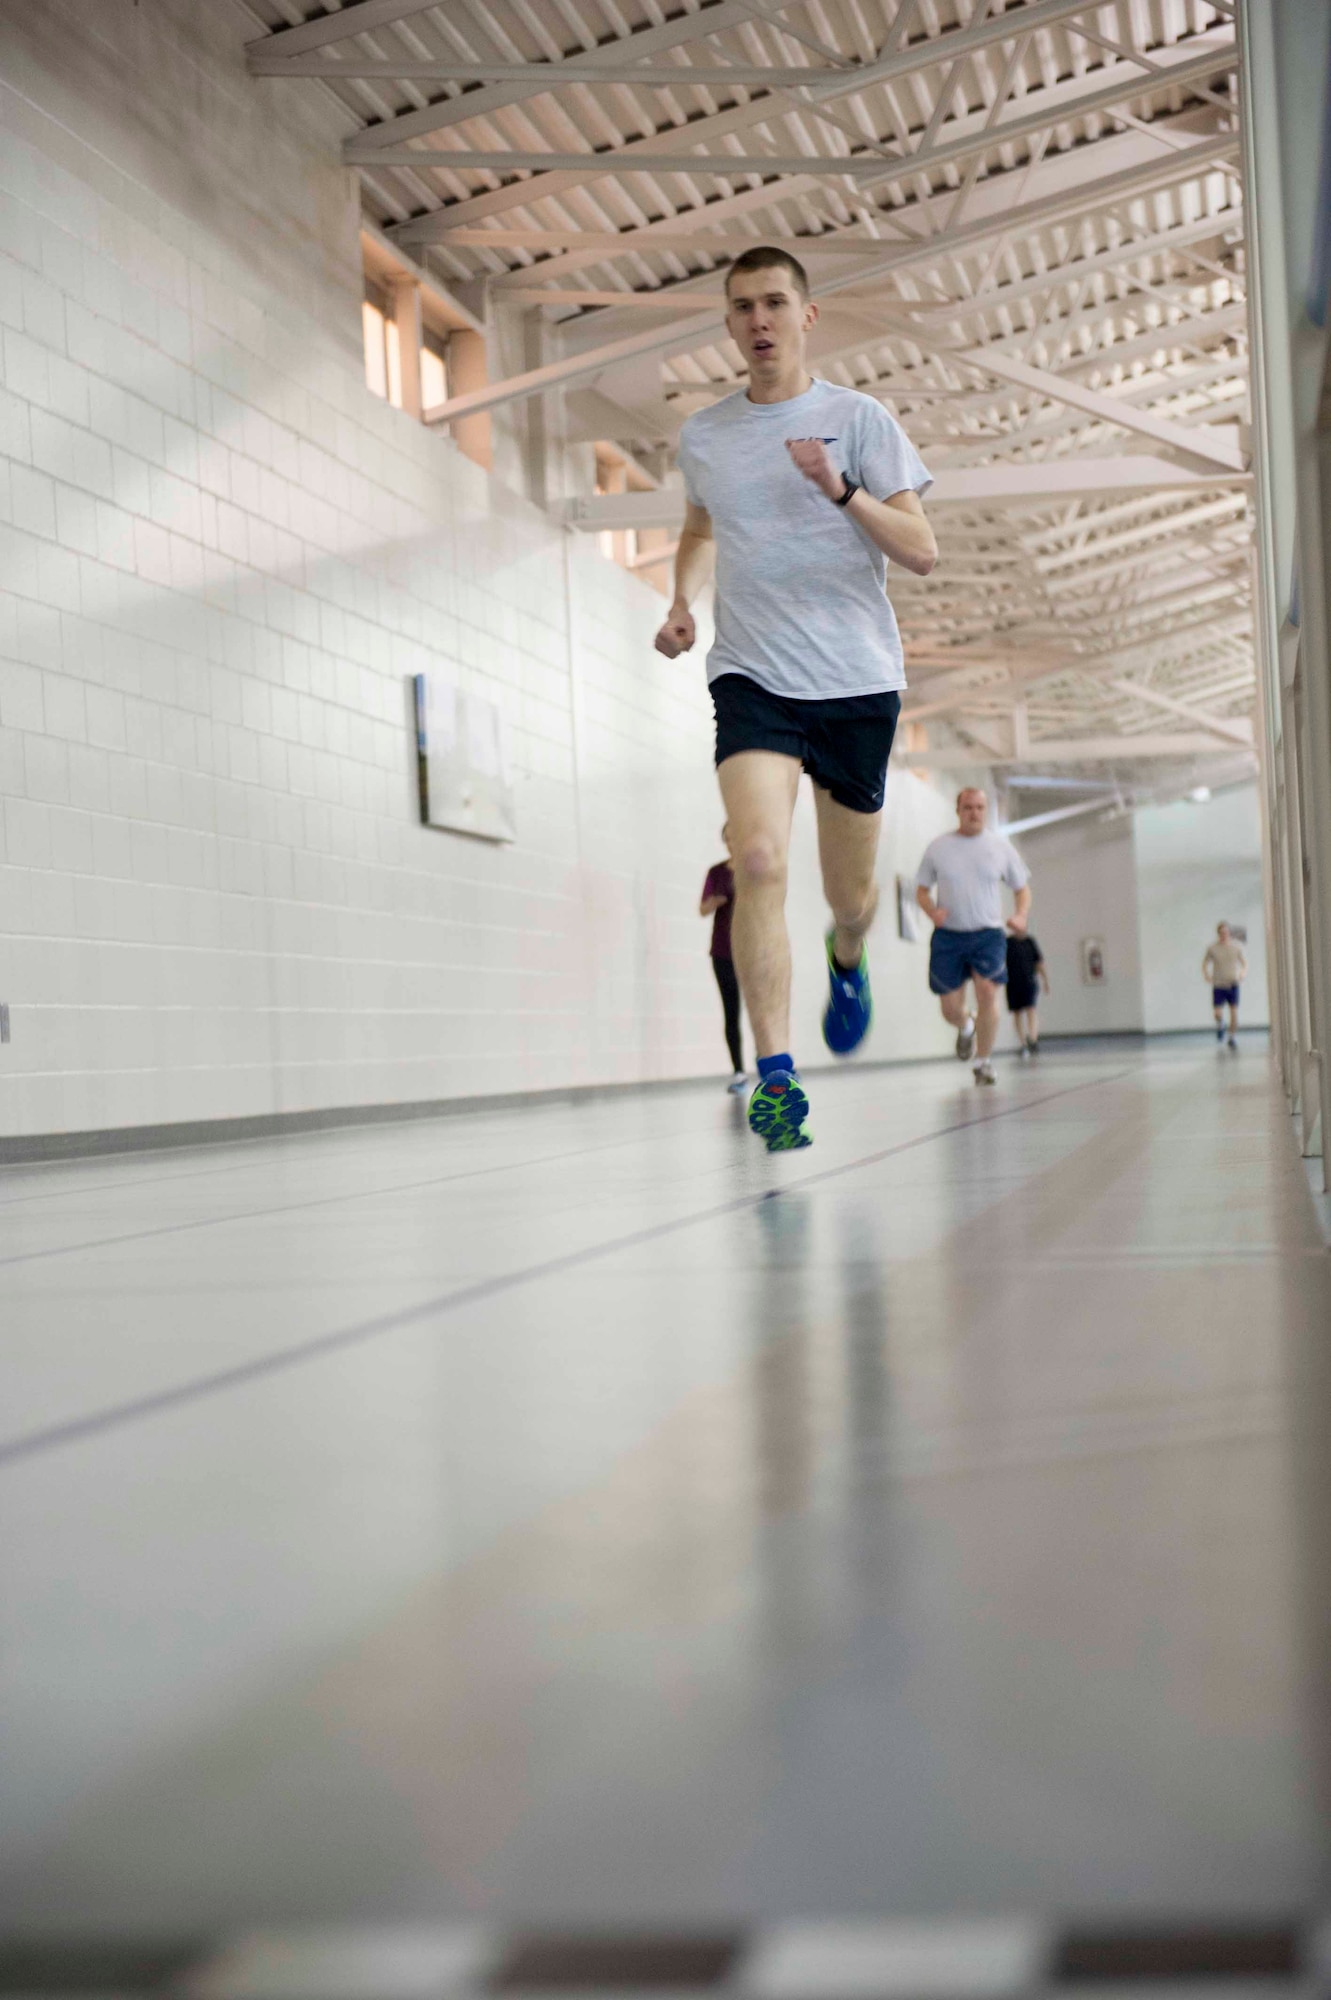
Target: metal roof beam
point(1160, 243)
point(867, 169)
point(830, 344)
point(713, 17)
point(1055, 190)
point(668, 231)
point(527, 291)
point(326, 29)
point(1098, 175)
point(1039, 432)
point(1060, 332)
point(1125, 622)
point(1023, 672)
point(666, 152)
point(1082, 524)
point(1205, 447)
point(974, 486)
point(1148, 571)
point(583, 167)
point(546, 76)
point(965, 448)
point(671, 233)
point(1069, 479)
point(1055, 104)
point(685, 337)
point(1193, 517)
point(1067, 750)
point(703, 24)
point(1028, 825)
point(1234, 730)
point(568, 373)
point(1151, 586)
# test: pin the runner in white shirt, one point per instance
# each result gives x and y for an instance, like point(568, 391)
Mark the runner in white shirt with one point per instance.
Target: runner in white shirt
point(803, 492)
point(967, 869)
point(1224, 968)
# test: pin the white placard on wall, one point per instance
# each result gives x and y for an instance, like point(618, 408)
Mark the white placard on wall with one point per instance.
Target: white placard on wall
point(909, 924)
point(464, 780)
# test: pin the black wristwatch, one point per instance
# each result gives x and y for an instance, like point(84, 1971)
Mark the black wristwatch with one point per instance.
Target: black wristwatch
point(851, 490)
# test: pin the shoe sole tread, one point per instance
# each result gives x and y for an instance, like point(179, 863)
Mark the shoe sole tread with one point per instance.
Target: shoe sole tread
point(778, 1123)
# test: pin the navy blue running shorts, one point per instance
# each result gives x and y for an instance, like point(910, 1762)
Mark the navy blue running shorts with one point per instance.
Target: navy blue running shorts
point(956, 956)
point(843, 744)
point(1224, 996)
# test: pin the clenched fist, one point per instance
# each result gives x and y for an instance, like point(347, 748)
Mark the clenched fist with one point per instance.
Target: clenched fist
point(809, 455)
point(678, 633)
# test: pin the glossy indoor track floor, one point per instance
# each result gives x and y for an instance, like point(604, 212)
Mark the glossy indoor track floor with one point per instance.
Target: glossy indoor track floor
point(568, 1514)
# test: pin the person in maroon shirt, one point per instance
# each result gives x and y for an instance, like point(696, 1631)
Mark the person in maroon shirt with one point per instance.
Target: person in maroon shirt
point(718, 901)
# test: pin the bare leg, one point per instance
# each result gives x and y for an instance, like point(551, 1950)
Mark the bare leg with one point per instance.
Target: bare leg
point(1020, 1017)
point(1033, 1025)
point(955, 1011)
point(847, 850)
point(759, 787)
point(1233, 1022)
point(986, 1016)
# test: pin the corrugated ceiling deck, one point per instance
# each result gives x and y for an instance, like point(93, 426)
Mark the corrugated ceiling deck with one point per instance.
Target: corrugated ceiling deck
point(1099, 241)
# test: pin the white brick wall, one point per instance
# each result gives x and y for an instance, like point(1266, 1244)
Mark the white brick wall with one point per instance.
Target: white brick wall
point(221, 559)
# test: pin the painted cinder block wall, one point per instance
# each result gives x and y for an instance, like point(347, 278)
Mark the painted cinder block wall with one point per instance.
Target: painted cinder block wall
point(1084, 884)
point(221, 559)
point(1151, 885)
point(1198, 863)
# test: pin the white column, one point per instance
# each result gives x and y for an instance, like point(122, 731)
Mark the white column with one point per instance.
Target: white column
point(467, 371)
point(406, 298)
point(1290, 512)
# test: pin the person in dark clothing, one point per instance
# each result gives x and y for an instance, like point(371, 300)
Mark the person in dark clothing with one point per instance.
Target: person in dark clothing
point(718, 901)
point(1025, 976)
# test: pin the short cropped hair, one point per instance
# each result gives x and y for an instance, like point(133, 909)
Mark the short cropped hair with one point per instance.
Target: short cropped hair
point(972, 791)
point(764, 257)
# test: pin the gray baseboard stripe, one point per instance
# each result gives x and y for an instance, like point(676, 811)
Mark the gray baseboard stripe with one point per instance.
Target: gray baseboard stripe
point(32, 1149)
point(39, 1146)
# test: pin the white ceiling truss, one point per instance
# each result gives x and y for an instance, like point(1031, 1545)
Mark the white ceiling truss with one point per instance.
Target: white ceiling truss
point(1024, 221)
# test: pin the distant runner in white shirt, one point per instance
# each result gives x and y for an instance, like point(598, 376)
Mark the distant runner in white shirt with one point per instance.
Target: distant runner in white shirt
point(1223, 968)
point(968, 869)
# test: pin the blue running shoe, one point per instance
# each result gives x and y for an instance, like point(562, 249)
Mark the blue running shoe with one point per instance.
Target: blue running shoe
point(849, 1005)
point(777, 1111)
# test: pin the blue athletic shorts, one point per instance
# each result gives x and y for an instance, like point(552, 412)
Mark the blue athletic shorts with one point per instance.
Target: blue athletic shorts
point(954, 956)
point(1224, 996)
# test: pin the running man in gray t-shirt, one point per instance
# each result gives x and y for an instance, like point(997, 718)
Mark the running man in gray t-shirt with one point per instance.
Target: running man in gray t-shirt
point(803, 492)
point(959, 887)
point(1224, 968)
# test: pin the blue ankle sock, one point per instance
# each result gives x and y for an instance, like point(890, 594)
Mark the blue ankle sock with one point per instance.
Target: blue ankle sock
point(769, 1065)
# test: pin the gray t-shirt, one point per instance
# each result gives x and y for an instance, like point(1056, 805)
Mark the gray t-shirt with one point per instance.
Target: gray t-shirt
point(1228, 962)
point(801, 602)
point(966, 871)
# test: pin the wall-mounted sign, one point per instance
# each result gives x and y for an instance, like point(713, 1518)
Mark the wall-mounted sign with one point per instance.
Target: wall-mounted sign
point(464, 779)
point(1093, 961)
point(908, 910)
